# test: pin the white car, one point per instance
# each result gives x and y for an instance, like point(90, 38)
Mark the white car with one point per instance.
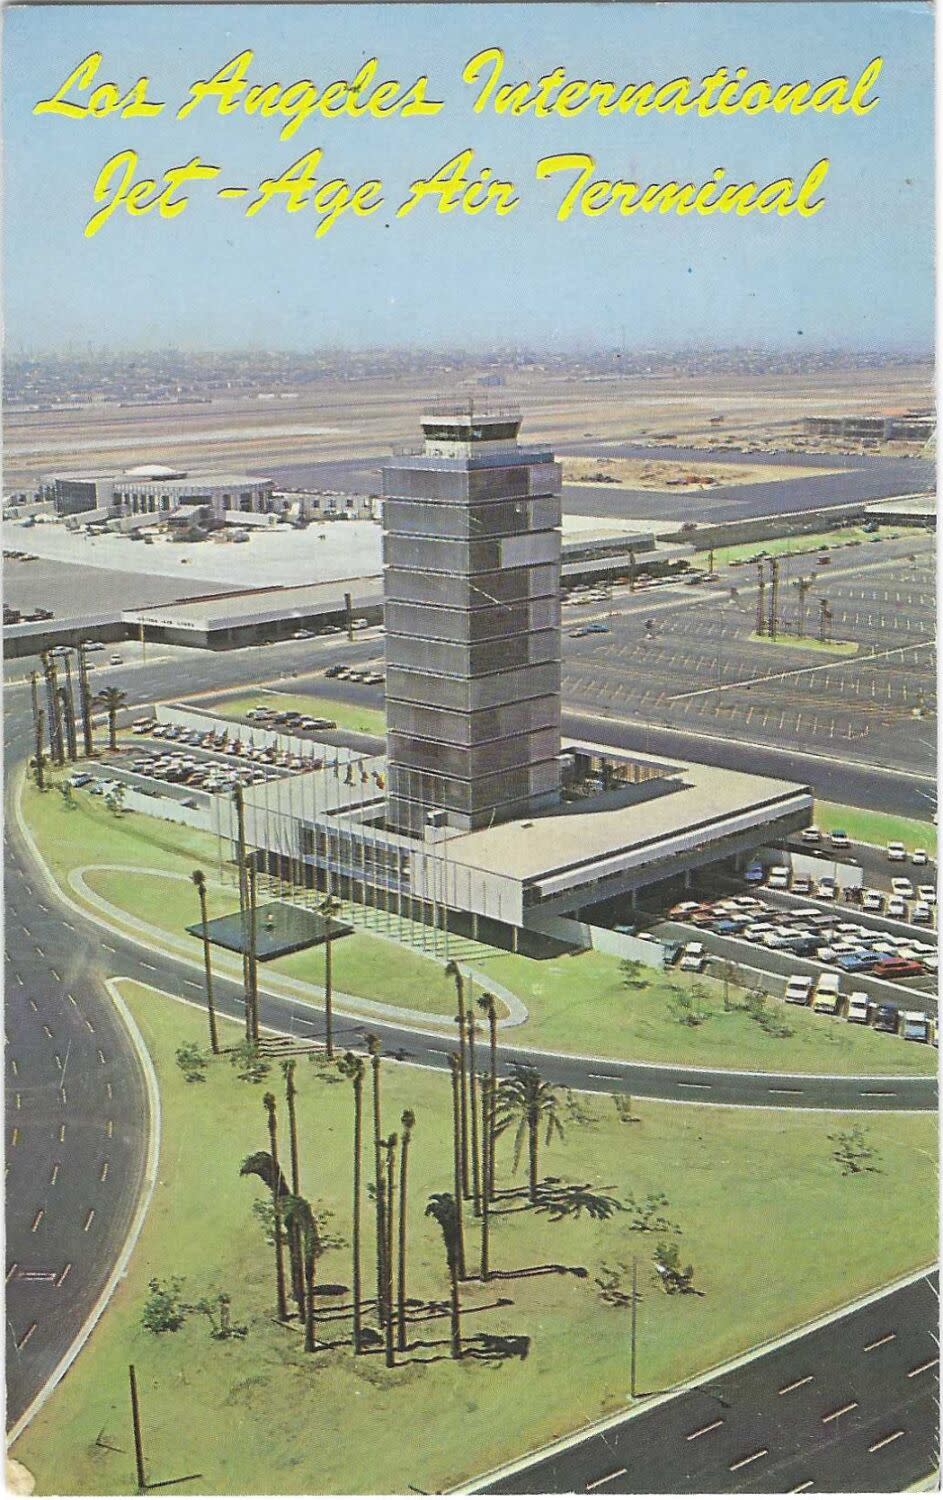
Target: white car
point(693, 958)
point(896, 852)
point(927, 893)
point(779, 878)
point(859, 1008)
point(810, 835)
point(919, 857)
point(839, 839)
point(922, 912)
point(902, 887)
point(798, 989)
point(897, 907)
point(873, 901)
point(825, 890)
point(802, 885)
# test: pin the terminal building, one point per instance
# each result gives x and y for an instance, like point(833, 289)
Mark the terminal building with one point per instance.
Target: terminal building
point(158, 491)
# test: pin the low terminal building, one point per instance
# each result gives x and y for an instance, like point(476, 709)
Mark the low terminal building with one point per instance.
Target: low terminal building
point(158, 491)
point(222, 621)
point(904, 510)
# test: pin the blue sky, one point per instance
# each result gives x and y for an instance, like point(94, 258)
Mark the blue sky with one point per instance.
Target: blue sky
point(858, 274)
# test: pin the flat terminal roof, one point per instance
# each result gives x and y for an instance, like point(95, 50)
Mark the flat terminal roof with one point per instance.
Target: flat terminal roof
point(259, 605)
point(573, 835)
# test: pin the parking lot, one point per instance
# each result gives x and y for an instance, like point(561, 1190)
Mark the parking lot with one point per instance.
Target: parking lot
point(684, 658)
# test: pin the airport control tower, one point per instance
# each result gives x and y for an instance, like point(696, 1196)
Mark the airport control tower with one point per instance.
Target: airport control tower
point(472, 609)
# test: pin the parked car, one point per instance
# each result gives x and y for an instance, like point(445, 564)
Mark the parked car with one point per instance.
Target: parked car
point(778, 878)
point(896, 852)
point(859, 1008)
point(873, 901)
point(693, 958)
point(81, 778)
point(915, 1026)
point(840, 839)
point(902, 887)
point(753, 874)
point(798, 989)
point(927, 893)
point(897, 908)
point(802, 885)
point(826, 888)
point(886, 1019)
point(919, 857)
point(922, 913)
point(898, 968)
point(810, 835)
point(827, 992)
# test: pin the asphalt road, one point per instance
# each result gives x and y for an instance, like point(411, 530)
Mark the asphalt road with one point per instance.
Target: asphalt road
point(851, 1407)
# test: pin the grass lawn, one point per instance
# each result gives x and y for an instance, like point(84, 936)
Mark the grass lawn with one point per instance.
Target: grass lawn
point(877, 827)
point(363, 965)
point(576, 1002)
point(807, 643)
point(820, 541)
point(770, 1248)
point(581, 1001)
point(348, 715)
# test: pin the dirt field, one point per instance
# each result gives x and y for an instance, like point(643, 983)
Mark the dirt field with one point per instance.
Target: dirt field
point(340, 419)
point(646, 474)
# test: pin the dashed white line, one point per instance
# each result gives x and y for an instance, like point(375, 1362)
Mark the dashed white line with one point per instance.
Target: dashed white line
point(702, 1431)
point(920, 1369)
point(40, 1214)
point(55, 1173)
point(885, 1338)
point(88, 1222)
point(606, 1479)
point(840, 1411)
point(750, 1459)
point(883, 1442)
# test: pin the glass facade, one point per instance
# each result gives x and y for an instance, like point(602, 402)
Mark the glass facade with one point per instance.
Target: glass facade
point(472, 576)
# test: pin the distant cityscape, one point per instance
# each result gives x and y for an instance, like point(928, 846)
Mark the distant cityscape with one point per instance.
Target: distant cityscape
point(54, 381)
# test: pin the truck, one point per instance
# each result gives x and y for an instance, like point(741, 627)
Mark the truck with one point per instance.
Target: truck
point(798, 989)
point(779, 878)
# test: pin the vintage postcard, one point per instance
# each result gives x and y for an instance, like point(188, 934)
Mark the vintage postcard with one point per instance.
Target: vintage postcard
point(470, 745)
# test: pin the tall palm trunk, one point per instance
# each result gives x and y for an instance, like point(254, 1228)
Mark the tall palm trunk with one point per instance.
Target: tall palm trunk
point(533, 1128)
point(207, 962)
point(253, 957)
point(112, 729)
point(487, 1146)
point(374, 1047)
point(473, 1104)
point(457, 1161)
point(390, 1209)
point(487, 1003)
point(453, 969)
point(297, 1246)
point(455, 1310)
point(309, 1274)
point(85, 702)
point(40, 757)
point(408, 1121)
point(269, 1103)
point(243, 905)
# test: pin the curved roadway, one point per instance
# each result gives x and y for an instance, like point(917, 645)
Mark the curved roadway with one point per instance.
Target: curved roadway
point(76, 1107)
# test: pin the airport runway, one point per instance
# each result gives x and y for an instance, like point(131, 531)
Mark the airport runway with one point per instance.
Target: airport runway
point(851, 1407)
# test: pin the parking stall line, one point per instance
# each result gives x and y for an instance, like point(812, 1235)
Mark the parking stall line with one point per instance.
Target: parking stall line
point(605, 1479)
point(751, 1458)
point(884, 1441)
point(879, 1343)
point(929, 1364)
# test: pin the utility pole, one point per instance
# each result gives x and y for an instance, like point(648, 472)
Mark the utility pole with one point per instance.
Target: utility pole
point(243, 906)
point(631, 572)
point(136, 1424)
point(825, 619)
point(633, 1382)
point(773, 597)
point(760, 599)
point(803, 585)
point(710, 563)
point(349, 612)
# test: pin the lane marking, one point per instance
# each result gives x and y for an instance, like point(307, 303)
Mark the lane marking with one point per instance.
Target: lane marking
point(682, 1084)
point(711, 1427)
point(595, 1483)
point(63, 1274)
point(878, 1094)
point(61, 1132)
point(784, 1091)
point(805, 1485)
point(87, 1225)
point(920, 1369)
point(839, 1411)
point(12, 1271)
point(56, 976)
point(891, 1438)
point(104, 1172)
point(55, 1173)
point(613, 1076)
point(40, 1212)
point(751, 1459)
point(877, 1343)
point(110, 1129)
point(21, 1343)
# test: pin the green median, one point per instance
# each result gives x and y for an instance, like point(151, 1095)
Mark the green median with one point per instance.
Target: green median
point(755, 1200)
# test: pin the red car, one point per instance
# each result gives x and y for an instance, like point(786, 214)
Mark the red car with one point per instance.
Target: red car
point(897, 968)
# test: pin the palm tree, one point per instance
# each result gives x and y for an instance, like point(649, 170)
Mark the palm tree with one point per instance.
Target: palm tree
point(269, 1105)
point(288, 1069)
point(454, 972)
point(455, 1068)
point(39, 759)
point(111, 699)
point(327, 909)
point(389, 1147)
point(85, 701)
point(408, 1121)
point(487, 1146)
point(443, 1208)
point(487, 1003)
point(528, 1099)
point(471, 1027)
point(352, 1067)
point(302, 1226)
point(373, 1047)
point(199, 880)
